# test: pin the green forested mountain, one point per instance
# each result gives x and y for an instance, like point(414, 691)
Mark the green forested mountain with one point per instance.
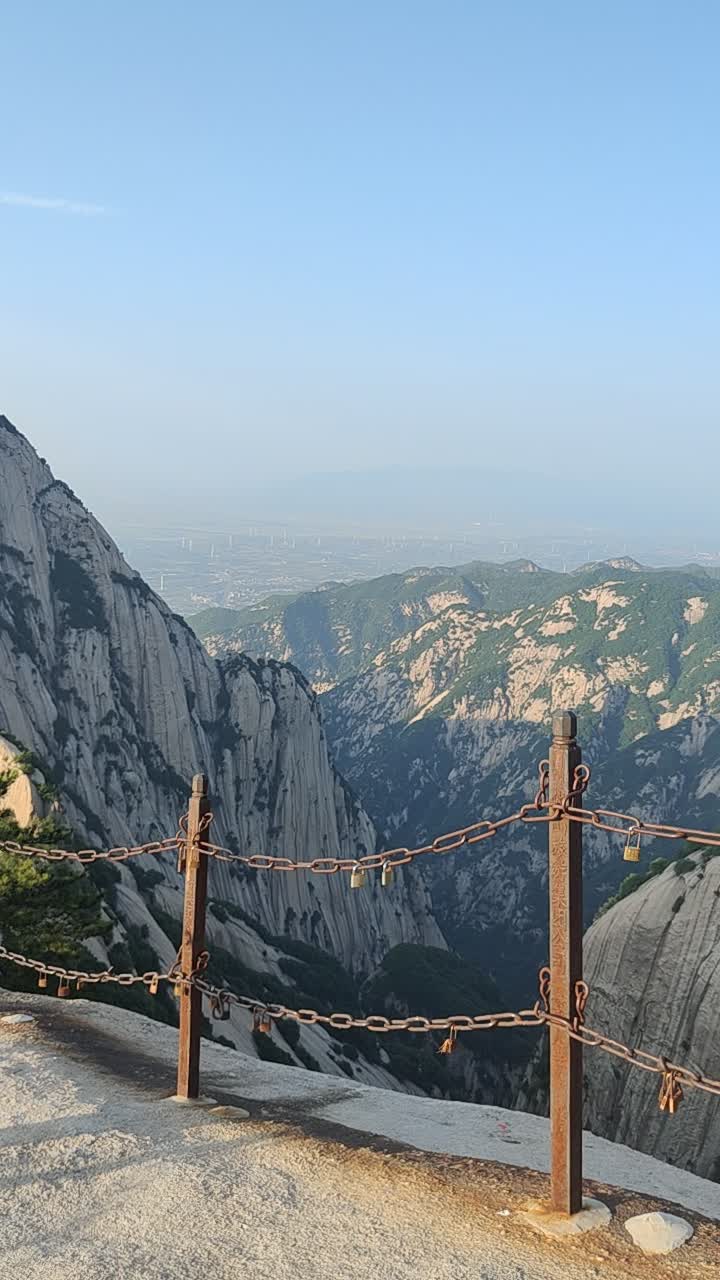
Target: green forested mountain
point(470, 620)
point(437, 688)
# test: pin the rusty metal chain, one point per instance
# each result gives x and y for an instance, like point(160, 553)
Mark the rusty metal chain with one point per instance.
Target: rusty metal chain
point(673, 1074)
point(625, 824)
point(389, 859)
point(636, 1057)
point(538, 810)
point(629, 825)
point(221, 998)
point(542, 795)
point(120, 854)
point(183, 836)
point(83, 978)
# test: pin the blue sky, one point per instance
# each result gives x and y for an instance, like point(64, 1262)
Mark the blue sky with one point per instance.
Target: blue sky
point(318, 235)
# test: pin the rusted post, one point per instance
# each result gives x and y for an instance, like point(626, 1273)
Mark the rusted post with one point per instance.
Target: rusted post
point(566, 1060)
point(193, 941)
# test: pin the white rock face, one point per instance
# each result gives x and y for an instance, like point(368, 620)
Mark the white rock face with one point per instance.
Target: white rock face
point(120, 699)
point(658, 1232)
point(652, 966)
point(20, 795)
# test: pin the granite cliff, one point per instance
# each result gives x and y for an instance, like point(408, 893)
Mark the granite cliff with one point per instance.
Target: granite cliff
point(652, 965)
point(120, 705)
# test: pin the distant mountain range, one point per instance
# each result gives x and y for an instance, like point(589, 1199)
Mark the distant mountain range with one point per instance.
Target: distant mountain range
point(437, 687)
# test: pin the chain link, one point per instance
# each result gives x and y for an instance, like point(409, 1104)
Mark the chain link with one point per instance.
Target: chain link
point(120, 854)
point(673, 1074)
point(628, 824)
point(84, 978)
point(221, 999)
point(541, 809)
point(636, 1057)
point(625, 824)
point(449, 842)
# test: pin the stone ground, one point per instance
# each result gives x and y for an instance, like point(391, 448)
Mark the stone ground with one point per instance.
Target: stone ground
point(103, 1176)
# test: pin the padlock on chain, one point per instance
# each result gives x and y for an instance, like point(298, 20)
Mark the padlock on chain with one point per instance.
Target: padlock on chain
point(387, 875)
point(631, 852)
point(449, 1045)
point(262, 1022)
point(671, 1094)
point(358, 876)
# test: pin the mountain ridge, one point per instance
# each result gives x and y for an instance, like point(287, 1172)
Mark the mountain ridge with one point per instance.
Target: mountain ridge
point(437, 688)
point(118, 699)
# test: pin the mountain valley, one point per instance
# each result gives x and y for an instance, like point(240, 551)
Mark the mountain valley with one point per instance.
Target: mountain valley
point(108, 706)
point(432, 692)
point(436, 689)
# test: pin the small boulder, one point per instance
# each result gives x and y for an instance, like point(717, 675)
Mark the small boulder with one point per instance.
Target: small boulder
point(658, 1232)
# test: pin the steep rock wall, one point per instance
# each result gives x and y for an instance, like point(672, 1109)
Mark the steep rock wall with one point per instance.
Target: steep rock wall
point(120, 701)
point(653, 966)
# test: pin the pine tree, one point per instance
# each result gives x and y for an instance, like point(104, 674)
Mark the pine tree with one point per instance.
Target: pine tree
point(47, 909)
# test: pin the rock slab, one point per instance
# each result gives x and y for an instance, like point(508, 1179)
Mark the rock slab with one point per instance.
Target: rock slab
point(658, 1232)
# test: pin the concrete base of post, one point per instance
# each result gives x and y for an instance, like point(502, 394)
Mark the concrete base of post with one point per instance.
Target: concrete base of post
point(193, 1102)
point(593, 1214)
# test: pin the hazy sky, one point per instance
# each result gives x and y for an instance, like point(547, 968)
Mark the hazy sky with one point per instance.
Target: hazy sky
point(321, 235)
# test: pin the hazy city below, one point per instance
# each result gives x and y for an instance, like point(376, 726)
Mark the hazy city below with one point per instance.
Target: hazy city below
point(236, 564)
point(236, 545)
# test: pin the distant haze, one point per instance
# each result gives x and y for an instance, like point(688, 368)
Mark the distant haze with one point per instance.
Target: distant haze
point(243, 245)
point(638, 517)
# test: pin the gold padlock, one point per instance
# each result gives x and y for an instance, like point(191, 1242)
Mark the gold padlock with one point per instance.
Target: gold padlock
point(64, 988)
point(449, 1045)
point(387, 875)
point(178, 989)
point(261, 1022)
point(632, 850)
point(358, 877)
point(42, 981)
point(671, 1094)
point(154, 984)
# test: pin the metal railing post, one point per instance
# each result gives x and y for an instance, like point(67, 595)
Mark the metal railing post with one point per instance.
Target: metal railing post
point(566, 1056)
point(193, 941)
